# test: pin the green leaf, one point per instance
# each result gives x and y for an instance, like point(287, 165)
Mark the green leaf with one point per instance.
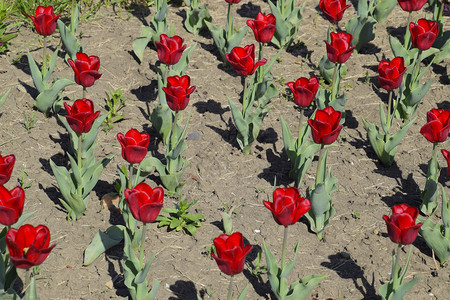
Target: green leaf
point(397, 47)
point(383, 9)
point(301, 289)
point(4, 96)
point(433, 236)
point(44, 101)
point(236, 39)
point(244, 292)
point(219, 37)
point(103, 241)
point(180, 67)
point(31, 293)
point(418, 93)
point(141, 42)
point(142, 275)
point(396, 139)
point(90, 178)
point(69, 40)
point(238, 119)
point(401, 291)
point(35, 74)
point(52, 65)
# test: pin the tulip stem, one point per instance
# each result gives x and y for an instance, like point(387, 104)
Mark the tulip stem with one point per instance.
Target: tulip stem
point(79, 163)
point(283, 249)
point(244, 99)
point(142, 244)
point(300, 127)
point(166, 72)
point(130, 181)
point(282, 8)
point(173, 136)
point(44, 58)
point(389, 120)
point(417, 67)
point(230, 288)
point(407, 33)
point(333, 84)
point(229, 23)
point(396, 270)
point(320, 174)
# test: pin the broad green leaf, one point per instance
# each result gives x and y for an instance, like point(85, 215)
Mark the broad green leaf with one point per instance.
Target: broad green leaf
point(4, 96)
point(103, 241)
point(383, 9)
point(45, 100)
point(142, 275)
point(35, 74)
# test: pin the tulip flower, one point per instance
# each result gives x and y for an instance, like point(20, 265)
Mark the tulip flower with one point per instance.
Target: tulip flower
point(391, 73)
point(231, 253)
point(81, 115)
point(401, 225)
point(86, 69)
point(170, 49)
point(144, 202)
point(178, 91)
point(437, 128)
point(44, 20)
point(411, 5)
point(28, 246)
point(232, 1)
point(423, 34)
point(134, 145)
point(340, 49)
point(287, 206)
point(243, 60)
point(325, 127)
point(304, 90)
point(263, 27)
point(6, 167)
point(11, 205)
point(333, 10)
point(447, 158)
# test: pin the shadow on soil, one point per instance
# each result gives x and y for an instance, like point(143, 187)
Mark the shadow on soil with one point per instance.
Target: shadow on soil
point(347, 268)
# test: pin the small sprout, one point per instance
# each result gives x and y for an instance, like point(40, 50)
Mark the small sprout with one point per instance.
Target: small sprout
point(356, 215)
point(29, 122)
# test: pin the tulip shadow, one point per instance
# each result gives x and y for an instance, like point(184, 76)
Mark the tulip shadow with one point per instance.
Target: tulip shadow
point(183, 290)
point(261, 287)
point(443, 78)
point(347, 268)
point(211, 106)
point(22, 64)
point(397, 32)
point(350, 121)
point(140, 12)
point(146, 94)
point(249, 10)
point(31, 90)
point(117, 278)
point(279, 168)
point(407, 191)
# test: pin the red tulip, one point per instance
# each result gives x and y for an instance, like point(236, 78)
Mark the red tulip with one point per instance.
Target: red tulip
point(391, 73)
point(447, 158)
point(11, 205)
point(411, 5)
point(340, 49)
point(333, 10)
point(231, 253)
point(304, 90)
point(401, 226)
point(6, 167)
point(287, 206)
point(81, 115)
point(438, 125)
point(44, 20)
point(263, 27)
point(423, 34)
point(232, 1)
point(86, 69)
point(325, 127)
point(134, 145)
point(178, 91)
point(144, 202)
point(243, 60)
point(28, 245)
point(170, 49)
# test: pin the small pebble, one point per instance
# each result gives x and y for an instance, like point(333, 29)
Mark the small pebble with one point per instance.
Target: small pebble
point(257, 231)
point(109, 285)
